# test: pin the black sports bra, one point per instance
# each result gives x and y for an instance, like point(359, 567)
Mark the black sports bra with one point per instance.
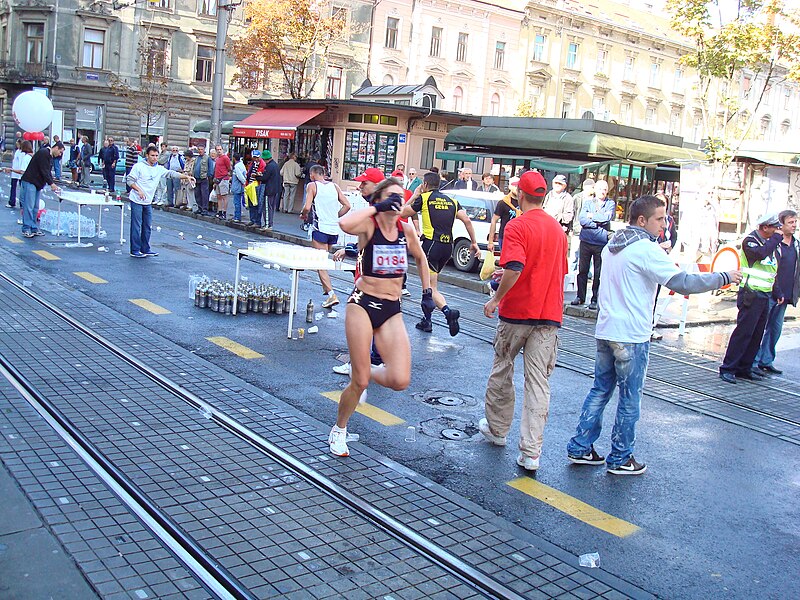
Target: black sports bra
point(383, 258)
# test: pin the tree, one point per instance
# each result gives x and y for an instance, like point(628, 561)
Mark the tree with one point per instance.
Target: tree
point(150, 99)
point(724, 47)
point(525, 108)
point(291, 38)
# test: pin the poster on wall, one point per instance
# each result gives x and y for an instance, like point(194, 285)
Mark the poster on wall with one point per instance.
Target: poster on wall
point(793, 199)
point(775, 192)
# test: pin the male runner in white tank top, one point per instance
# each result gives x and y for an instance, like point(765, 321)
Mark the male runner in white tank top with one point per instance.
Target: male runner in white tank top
point(329, 204)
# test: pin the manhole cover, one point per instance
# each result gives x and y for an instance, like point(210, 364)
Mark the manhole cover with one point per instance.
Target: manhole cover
point(447, 428)
point(446, 399)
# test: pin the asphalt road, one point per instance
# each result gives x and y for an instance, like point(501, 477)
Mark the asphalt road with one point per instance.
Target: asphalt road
point(716, 512)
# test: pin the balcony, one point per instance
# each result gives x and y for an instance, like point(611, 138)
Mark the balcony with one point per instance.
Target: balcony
point(30, 73)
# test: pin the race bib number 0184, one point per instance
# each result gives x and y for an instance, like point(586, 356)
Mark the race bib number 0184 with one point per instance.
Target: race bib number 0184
point(389, 260)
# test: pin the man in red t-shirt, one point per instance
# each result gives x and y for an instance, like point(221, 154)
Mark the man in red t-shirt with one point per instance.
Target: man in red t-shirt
point(531, 303)
point(222, 179)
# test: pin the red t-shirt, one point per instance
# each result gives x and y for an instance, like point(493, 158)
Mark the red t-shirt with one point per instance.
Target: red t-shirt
point(536, 240)
point(222, 167)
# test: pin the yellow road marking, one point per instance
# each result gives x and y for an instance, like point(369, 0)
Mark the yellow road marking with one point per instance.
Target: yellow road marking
point(574, 507)
point(147, 305)
point(13, 239)
point(46, 255)
point(89, 277)
point(235, 347)
point(368, 410)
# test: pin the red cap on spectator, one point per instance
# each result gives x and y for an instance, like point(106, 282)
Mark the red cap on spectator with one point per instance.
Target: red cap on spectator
point(397, 173)
point(372, 174)
point(532, 183)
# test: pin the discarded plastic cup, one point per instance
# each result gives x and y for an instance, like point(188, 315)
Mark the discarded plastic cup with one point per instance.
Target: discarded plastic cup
point(301, 333)
point(313, 329)
point(333, 314)
point(158, 228)
point(318, 316)
point(591, 560)
point(411, 434)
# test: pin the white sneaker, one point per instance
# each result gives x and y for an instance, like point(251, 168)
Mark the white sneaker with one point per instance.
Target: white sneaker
point(405, 292)
point(363, 397)
point(528, 463)
point(330, 301)
point(483, 426)
point(343, 369)
point(337, 440)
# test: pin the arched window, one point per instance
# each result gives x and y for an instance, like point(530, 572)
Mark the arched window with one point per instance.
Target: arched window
point(494, 105)
point(388, 80)
point(458, 99)
point(786, 126)
point(766, 127)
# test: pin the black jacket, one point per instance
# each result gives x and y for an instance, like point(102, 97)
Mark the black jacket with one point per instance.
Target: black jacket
point(271, 178)
point(38, 171)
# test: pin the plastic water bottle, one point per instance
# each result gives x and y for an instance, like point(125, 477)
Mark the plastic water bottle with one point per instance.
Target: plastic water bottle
point(310, 311)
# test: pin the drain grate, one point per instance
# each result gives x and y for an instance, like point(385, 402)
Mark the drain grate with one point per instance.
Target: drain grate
point(447, 428)
point(446, 399)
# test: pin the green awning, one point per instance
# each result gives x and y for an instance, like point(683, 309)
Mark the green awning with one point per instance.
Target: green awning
point(587, 143)
point(205, 126)
point(615, 170)
point(566, 166)
point(778, 159)
point(456, 156)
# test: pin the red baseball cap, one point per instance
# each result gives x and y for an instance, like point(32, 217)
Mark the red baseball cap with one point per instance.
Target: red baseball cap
point(532, 183)
point(397, 173)
point(372, 174)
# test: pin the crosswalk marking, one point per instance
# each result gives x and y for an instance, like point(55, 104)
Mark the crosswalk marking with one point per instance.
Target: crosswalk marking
point(46, 255)
point(368, 410)
point(89, 277)
point(574, 507)
point(149, 306)
point(13, 239)
point(235, 347)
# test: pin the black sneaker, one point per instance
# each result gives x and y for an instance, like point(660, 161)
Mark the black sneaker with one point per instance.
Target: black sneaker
point(425, 325)
point(629, 468)
point(591, 458)
point(770, 369)
point(577, 302)
point(452, 321)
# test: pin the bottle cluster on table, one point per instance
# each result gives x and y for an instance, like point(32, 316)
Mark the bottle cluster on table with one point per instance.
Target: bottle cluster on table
point(253, 297)
point(67, 224)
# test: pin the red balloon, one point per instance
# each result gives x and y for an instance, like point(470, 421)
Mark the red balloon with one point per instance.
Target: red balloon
point(38, 136)
point(28, 136)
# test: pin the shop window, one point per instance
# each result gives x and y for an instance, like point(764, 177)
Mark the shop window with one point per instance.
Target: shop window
point(538, 47)
point(333, 87)
point(499, 55)
point(436, 42)
point(204, 68)
point(461, 47)
point(364, 149)
point(388, 120)
point(428, 153)
point(34, 42)
point(207, 7)
point(392, 25)
point(93, 42)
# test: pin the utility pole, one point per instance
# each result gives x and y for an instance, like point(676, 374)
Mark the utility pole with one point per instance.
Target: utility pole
point(225, 10)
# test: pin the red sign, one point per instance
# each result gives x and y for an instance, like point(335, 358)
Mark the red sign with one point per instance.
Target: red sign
point(253, 132)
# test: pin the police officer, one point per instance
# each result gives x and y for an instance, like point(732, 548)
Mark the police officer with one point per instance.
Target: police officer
point(759, 264)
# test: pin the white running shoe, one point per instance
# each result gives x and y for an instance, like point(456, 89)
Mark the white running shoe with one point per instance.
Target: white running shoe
point(363, 398)
point(330, 301)
point(343, 369)
point(337, 440)
point(483, 427)
point(405, 292)
point(528, 463)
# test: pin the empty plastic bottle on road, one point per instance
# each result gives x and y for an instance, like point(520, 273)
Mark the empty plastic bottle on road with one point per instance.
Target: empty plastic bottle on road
point(310, 312)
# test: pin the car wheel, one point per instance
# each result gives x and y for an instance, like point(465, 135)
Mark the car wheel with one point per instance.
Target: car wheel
point(463, 258)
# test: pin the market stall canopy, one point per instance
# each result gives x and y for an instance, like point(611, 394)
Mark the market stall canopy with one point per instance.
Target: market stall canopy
point(777, 159)
point(205, 126)
point(279, 123)
point(588, 143)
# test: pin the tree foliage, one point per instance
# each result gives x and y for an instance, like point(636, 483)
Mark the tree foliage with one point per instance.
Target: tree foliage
point(526, 108)
point(760, 38)
point(291, 39)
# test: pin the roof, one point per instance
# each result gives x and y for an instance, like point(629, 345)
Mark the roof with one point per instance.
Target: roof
point(776, 159)
point(367, 89)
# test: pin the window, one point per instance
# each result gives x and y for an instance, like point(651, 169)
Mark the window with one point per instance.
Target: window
point(650, 116)
point(538, 48)
point(371, 119)
point(787, 98)
point(388, 80)
point(430, 126)
point(157, 58)
point(204, 67)
point(767, 94)
point(93, 41)
point(499, 55)
point(677, 82)
point(625, 113)
point(785, 127)
point(675, 123)
point(599, 107)
point(363, 149)
point(333, 87)
point(34, 42)
point(392, 25)
point(766, 128)
point(340, 14)
point(536, 97)
point(655, 73)
point(697, 128)
point(387, 120)
point(428, 153)
point(628, 68)
point(747, 82)
point(461, 48)
point(566, 106)
point(600, 63)
point(572, 55)
point(494, 105)
point(293, 79)
point(207, 7)
point(458, 96)
point(436, 42)
point(163, 4)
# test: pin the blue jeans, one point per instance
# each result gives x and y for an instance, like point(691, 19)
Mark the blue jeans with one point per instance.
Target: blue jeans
point(57, 167)
point(141, 218)
point(772, 333)
point(29, 201)
point(238, 200)
point(625, 366)
point(12, 196)
point(173, 185)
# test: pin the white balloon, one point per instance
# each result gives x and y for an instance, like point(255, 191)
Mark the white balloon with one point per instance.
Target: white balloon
point(42, 205)
point(33, 111)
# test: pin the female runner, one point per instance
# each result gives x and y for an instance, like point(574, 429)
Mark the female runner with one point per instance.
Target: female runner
point(373, 309)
